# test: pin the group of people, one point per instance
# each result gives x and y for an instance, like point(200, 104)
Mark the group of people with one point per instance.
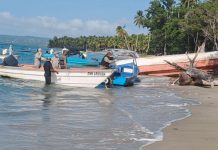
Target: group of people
point(51, 64)
point(56, 62)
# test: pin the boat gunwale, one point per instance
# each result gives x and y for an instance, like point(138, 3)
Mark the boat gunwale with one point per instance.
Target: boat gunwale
point(28, 67)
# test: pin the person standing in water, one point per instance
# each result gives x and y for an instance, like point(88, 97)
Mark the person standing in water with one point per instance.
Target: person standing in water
point(38, 58)
point(55, 61)
point(48, 68)
point(63, 59)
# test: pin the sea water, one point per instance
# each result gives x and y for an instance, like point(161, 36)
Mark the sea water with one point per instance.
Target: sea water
point(34, 116)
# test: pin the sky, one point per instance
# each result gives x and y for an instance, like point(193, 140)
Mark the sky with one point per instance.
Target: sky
point(49, 18)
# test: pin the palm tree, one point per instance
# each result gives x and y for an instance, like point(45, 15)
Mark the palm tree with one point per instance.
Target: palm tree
point(139, 21)
point(121, 32)
point(188, 3)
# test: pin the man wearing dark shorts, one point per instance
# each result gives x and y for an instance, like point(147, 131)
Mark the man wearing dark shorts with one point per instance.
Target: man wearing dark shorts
point(48, 70)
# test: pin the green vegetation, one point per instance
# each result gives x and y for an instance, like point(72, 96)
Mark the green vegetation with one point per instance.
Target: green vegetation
point(173, 28)
point(123, 40)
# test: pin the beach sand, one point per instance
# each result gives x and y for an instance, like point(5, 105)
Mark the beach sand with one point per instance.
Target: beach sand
point(200, 130)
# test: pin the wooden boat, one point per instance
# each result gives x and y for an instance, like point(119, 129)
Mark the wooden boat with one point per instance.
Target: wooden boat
point(155, 65)
point(76, 77)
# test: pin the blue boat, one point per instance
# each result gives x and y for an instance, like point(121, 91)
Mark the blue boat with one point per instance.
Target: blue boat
point(124, 75)
point(47, 55)
point(79, 60)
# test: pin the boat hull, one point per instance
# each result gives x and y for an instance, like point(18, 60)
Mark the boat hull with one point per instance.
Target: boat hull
point(167, 70)
point(156, 65)
point(80, 77)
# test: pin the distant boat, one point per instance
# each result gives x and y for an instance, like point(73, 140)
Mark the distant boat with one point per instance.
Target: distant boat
point(75, 77)
point(155, 65)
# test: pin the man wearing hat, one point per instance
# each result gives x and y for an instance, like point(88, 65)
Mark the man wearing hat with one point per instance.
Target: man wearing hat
point(48, 68)
point(107, 60)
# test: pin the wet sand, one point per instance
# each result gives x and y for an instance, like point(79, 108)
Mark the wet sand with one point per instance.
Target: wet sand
point(200, 130)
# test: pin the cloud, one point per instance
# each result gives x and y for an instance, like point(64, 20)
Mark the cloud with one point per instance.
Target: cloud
point(52, 26)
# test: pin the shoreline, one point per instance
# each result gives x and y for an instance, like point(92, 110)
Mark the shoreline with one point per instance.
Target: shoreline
point(198, 131)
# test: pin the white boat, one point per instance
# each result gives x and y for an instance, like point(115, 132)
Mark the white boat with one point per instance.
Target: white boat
point(76, 77)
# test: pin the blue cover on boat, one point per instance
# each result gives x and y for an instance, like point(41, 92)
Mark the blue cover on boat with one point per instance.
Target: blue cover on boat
point(125, 75)
point(82, 61)
point(48, 55)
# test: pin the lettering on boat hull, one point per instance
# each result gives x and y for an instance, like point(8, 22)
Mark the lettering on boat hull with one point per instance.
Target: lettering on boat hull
point(96, 73)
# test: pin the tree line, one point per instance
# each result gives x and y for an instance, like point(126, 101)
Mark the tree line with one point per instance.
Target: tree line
point(94, 43)
point(173, 27)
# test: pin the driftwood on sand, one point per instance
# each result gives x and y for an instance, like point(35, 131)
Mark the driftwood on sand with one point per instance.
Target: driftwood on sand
point(192, 75)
